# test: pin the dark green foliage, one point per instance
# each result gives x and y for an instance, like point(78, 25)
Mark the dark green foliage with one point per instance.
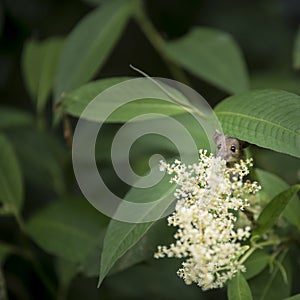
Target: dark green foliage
point(226, 56)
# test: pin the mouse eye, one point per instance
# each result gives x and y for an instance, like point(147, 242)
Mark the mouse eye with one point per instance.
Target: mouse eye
point(233, 149)
point(219, 146)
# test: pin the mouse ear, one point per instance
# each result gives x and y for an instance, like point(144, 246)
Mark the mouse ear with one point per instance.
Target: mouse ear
point(216, 135)
point(244, 144)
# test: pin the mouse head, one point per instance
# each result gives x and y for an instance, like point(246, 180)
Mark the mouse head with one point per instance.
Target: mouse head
point(229, 148)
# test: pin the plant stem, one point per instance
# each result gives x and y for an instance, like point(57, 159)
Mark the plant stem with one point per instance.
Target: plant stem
point(256, 246)
point(158, 42)
point(246, 256)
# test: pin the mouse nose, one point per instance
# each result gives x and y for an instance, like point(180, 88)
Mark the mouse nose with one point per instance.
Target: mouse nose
point(225, 156)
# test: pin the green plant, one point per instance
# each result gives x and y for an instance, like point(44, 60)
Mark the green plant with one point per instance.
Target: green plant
point(74, 234)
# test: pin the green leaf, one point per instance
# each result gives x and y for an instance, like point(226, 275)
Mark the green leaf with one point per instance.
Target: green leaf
point(66, 271)
point(76, 101)
point(69, 229)
point(144, 249)
point(90, 267)
point(272, 185)
point(256, 263)
point(292, 212)
point(273, 210)
point(121, 236)
point(89, 44)
point(212, 55)
point(270, 284)
point(11, 118)
point(267, 118)
point(41, 157)
point(11, 184)
point(39, 64)
point(295, 297)
point(238, 288)
point(296, 51)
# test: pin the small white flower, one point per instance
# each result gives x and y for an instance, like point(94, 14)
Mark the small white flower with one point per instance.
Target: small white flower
point(208, 196)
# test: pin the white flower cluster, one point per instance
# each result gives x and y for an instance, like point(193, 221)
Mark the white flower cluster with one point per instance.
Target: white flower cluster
point(210, 196)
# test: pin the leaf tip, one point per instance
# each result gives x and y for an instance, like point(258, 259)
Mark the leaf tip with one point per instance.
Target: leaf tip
point(100, 280)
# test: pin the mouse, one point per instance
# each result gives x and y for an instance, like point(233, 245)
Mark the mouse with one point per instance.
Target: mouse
point(229, 148)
